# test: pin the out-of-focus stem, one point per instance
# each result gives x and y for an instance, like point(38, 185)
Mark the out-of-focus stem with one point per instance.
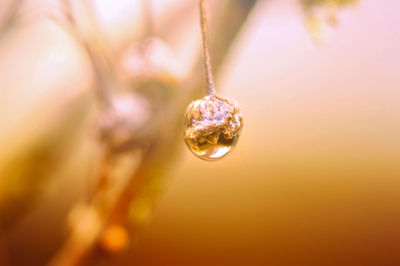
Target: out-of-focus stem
point(98, 65)
point(230, 23)
point(10, 15)
point(148, 17)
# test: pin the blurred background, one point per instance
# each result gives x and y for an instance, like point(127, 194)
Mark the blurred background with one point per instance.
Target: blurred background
point(94, 169)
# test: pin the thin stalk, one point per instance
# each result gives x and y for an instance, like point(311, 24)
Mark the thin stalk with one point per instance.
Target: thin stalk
point(207, 60)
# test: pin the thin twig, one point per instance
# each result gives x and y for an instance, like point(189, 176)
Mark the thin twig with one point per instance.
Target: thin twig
point(224, 34)
point(207, 60)
point(98, 66)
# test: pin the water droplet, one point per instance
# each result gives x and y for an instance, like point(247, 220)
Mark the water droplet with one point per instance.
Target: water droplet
point(212, 127)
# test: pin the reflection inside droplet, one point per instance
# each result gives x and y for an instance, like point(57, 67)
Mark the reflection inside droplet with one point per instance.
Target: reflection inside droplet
point(220, 151)
point(210, 151)
point(212, 127)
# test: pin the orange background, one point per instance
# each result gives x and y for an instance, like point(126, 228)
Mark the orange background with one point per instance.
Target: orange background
point(315, 178)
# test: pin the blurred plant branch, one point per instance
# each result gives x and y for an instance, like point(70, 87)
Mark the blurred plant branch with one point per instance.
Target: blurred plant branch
point(100, 62)
point(10, 15)
point(132, 205)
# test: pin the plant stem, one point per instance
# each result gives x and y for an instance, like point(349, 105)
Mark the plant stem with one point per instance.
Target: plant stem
point(207, 60)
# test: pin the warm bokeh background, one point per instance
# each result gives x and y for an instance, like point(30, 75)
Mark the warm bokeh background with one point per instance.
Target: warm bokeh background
point(315, 177)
